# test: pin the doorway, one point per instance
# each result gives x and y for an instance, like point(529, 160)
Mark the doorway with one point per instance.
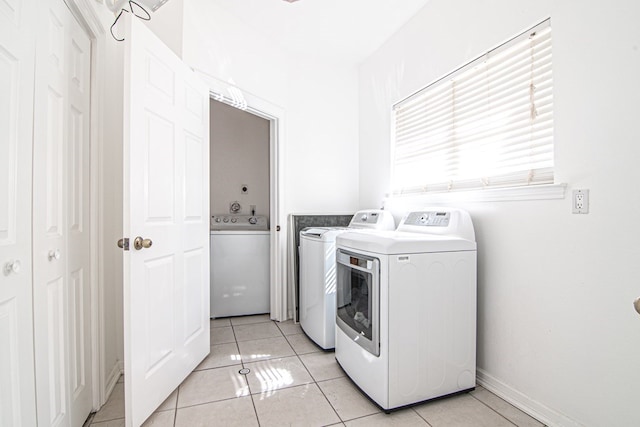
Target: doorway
point(230, 95)
point(243, 181)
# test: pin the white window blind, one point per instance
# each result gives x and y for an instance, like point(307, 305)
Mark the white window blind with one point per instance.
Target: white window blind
point(487, 124)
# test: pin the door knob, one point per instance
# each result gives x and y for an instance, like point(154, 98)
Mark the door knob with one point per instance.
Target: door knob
point(12, 266)
point(124, 243)
point(140, 243)
point(54, 254)
point(636, 304)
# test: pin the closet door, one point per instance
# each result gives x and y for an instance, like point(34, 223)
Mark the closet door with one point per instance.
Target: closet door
point(17, 392)
point(61, 245)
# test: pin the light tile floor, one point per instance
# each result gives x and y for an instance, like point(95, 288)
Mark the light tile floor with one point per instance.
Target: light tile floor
point(292, 382)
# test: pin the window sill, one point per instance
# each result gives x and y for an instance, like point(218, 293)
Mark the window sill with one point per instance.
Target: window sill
point(534, 192)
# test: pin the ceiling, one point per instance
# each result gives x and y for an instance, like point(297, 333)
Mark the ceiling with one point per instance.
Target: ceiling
point(339, 30)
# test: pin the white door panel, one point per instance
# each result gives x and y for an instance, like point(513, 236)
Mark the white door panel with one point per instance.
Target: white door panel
point(166, 187)
point(17, 41)
point(61, 219)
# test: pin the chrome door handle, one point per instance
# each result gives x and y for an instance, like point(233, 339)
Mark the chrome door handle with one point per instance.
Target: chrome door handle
point(636, 304)
point(140, 243)
point(54, 254)
point(12, 266)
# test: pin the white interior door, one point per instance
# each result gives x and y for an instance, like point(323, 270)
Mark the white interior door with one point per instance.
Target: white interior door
point(17, 391)
point(166, 200)
point(61, 228)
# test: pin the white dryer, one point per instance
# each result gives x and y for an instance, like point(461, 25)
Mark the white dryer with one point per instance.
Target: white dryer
point(318, 273)
point(406, 308)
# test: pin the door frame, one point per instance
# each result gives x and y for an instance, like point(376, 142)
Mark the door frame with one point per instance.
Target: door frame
point(86, 15)
point(230, 94)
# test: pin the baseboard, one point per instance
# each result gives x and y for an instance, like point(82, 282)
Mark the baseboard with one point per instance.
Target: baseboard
point(112, 380)
point(537, 410)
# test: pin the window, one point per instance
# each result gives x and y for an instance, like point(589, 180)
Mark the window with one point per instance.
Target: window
point(487, 124)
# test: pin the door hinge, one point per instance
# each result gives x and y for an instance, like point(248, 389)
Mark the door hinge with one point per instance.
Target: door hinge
point(124, 243)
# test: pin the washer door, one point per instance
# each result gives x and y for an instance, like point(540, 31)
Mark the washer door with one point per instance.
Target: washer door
point(358, 307)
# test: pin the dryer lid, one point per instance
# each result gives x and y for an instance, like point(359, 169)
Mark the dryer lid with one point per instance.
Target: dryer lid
point(320, 232)
point(396, 242)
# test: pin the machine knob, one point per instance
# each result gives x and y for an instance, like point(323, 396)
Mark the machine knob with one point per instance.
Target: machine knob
point(218, 219)
point(364, 218)
point(12, 266)
point(636, 304)
point(253, 220)
point(234, 220)
point(225, 219)
point(54, 255)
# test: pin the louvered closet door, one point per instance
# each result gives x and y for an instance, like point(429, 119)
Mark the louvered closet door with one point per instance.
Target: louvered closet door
point(17, 393)
point(61, 245)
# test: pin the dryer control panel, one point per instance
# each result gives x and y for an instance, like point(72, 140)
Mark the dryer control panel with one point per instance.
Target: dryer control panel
point(444, 221)
point(428, 219)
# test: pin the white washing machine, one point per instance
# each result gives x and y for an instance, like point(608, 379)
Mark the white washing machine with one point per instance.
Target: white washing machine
point(240, 265)
point(406, 308)
point(318, 273)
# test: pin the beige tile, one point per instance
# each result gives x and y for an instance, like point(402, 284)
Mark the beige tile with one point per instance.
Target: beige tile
point(218, 323)
point(112, 423)
point(275, 374)
point(244, 320)
point(221, 355)
point(170, 402)
point(269, 348)
point(302, 344)
point(403, 418)
point(289, 328)
point(160, 419)
point(507, 410)
point(303, 405)
point(225, 413)
point(114, 408)
point(256, 331)
point(346, 399)
point(322, 366)
point(211, 385)
point(222, 335)
point(461, 411)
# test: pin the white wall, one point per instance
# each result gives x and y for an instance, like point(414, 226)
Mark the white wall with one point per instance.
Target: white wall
point(556, 327)
point(319, 99)
point(239, 156)
point(166, 23)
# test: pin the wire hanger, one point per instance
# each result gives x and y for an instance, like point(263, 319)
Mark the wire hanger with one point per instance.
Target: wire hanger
point(139, 12)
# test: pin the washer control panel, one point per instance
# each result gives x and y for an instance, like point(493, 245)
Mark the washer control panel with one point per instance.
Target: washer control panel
point(239, 222)
point(367, 218)
point(428, 219)
point(373, 219)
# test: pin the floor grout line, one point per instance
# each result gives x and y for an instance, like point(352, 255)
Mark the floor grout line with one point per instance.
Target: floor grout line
point(507, 415)
point(494, 410)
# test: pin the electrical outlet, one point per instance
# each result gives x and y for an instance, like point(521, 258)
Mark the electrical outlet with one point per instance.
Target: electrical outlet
point(580, 201)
